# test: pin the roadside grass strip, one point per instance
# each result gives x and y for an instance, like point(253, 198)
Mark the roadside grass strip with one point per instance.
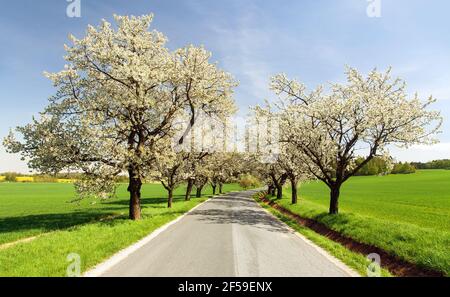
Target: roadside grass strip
point(342, 234)
point(93, 240)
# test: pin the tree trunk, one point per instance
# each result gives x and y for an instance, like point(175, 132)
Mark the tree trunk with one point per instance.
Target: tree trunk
point(199, 192)
point(279, 191)
point(294, 197)
point(221, 188)
point(274, 185)
point(334, 199)
point(272, 191)
point(170, 198)
point(214, 189)
point(269, 189)
point(134, 187)
point(190, 184)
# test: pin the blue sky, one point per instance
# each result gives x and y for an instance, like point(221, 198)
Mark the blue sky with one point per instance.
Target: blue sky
point(311, 40)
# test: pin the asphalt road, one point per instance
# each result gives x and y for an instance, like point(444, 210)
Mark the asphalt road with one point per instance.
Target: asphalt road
point(229, 236)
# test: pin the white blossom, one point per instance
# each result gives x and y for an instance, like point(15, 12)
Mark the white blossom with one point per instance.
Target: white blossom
point(328, 130)
point(116, 102)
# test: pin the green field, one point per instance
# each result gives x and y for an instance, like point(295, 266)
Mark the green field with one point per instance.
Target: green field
point(408, 215)
point(94, 229)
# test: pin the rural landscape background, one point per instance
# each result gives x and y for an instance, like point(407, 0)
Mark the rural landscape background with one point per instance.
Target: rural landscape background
point(361, 167)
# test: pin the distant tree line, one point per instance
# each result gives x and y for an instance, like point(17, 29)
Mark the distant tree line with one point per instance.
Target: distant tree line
point(379, 166)
point(436, 164)
point(382, 166)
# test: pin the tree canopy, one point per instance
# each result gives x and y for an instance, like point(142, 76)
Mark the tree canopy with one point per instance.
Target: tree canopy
point(117, 102)
point(329, 130)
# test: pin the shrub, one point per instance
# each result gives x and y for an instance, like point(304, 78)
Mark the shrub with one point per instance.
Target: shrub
point(121, 179)
point(248, 181)
point(45, 179)
point(403, 168)
point(376, 166)
point(10, 176)
point(65, 180)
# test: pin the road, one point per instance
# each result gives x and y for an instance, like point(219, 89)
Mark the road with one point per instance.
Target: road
point(230, 235)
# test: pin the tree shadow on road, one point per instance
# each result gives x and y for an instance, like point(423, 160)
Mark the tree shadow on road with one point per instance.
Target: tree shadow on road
point(245, 215)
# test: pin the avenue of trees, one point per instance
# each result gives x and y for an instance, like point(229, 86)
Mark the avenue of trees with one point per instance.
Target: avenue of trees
point(123, 94)
point(331, 135)
point(117, 103)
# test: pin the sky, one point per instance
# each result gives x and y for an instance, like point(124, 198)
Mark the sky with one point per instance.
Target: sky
point(310, 40)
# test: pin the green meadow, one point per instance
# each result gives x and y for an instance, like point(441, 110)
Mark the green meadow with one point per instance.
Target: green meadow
point(407, 215)
point(45, 226)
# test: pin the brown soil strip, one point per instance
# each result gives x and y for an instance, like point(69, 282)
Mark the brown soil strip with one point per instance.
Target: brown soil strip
point(394, 264)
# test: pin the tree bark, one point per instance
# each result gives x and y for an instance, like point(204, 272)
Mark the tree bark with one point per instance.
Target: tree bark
point(134, 187)
point(294, 197)
point(190, 184)
point(170, 198)
point(279, 191)
point(273, 191)
point(221, 188)
point(334, 199)
point(274, 186)
point(214, 189)
point(199, 192)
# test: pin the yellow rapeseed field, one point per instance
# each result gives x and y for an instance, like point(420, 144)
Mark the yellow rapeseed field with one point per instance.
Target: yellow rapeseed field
point(25, 179)
point(65, 180)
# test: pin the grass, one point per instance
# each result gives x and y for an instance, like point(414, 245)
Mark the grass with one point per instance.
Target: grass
point(93, 229)
point(356, 261)
point(406, 215)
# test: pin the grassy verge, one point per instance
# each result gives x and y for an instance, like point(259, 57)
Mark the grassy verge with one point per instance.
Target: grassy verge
point(76, 229)
point(356, 261)
point(404, 215)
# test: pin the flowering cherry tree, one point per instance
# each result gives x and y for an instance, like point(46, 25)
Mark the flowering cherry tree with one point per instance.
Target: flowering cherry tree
point(116, 104)
point(293, 170)
point(363, 116)
point(273, 175)
point(171, 172)
point(201, 176)
point(280, 159)
point(224, 167)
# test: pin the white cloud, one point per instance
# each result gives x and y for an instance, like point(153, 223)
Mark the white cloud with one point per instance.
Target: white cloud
point(12, 162)
point(422, 153)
